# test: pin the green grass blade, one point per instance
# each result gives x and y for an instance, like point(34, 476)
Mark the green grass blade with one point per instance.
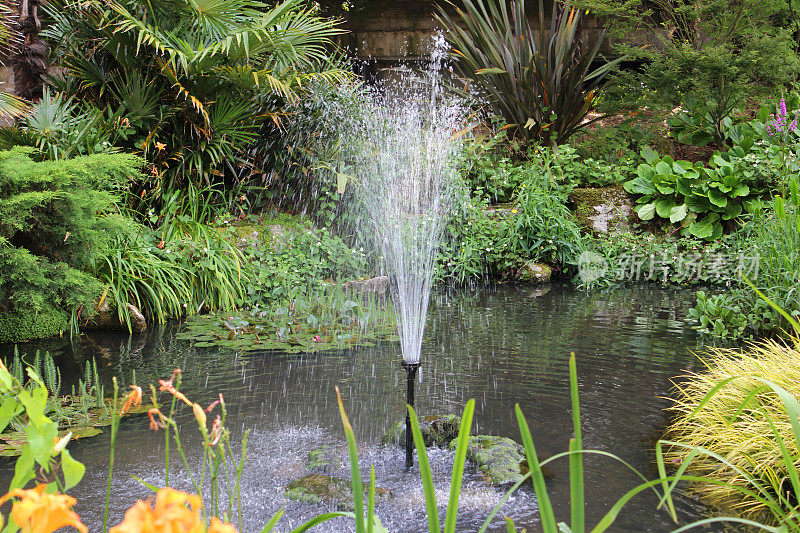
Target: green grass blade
point(317, 520)
point(510, 525)
point(371, 500)
point(358, 494)
point(272, 521)
point(545, 508)
point(458, 467)
point(425, 473)
point(578, 520)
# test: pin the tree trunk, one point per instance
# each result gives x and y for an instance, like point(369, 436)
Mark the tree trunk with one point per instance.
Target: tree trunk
point(30, 57)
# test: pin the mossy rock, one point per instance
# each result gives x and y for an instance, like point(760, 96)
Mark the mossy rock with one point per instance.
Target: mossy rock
point(602, 210)
point(318, 488)
point(437, 430)
point(533, 272)
point(500, 459)
point(20, 327)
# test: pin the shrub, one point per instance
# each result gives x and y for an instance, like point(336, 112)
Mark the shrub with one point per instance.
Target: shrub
point(540, 81)
point(733, 410)
point(55, 218)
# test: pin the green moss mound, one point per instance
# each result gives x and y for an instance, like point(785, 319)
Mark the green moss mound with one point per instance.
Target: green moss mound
point(19, 327)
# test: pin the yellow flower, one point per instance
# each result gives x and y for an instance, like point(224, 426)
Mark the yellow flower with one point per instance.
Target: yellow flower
point(174, 511)
point(513, 210)
point(38, 512)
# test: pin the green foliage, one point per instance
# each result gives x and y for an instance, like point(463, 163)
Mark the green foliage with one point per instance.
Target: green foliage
point(324, 318)
point(699, 198)
point(774, 236)
point(182, 268)
point(295, 259)
point(19, 326)
point(61, 128)
point(43, 451)
point(189, 84)
point(56, 217)
point(539, 80)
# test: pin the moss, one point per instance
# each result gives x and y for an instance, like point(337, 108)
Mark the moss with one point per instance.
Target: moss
point(437, 430)
point(587, 199)
point(20, 327)
point(499, 459)
point(316, 488)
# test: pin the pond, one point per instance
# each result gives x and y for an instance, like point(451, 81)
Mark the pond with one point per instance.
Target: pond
point(501, 345)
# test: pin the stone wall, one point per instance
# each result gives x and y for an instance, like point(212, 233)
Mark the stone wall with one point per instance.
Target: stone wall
point(390, 30)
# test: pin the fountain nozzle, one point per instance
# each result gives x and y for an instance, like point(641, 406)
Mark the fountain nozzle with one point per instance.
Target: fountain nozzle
point(411, 372)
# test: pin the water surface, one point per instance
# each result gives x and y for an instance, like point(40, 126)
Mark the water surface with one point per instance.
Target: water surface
point(500, 345)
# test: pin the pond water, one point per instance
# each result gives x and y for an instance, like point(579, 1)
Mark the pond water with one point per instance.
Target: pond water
point(500, 345)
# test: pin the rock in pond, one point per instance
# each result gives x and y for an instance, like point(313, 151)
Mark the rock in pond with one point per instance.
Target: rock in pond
point(532, 272)
point(437, 430)
point(499, 459)
point(317, 488)
point(106, 317)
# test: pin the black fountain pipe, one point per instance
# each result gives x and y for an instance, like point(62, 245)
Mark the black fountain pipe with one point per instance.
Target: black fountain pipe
point(411, 372)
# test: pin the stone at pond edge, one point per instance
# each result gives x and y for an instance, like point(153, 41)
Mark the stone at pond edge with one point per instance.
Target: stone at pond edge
point(437, 430)
point(602, 210)
point(323, 458)
point(107, 317)
point(499, 459)
point(532, 272)
point(316, 488)
point(376, 286)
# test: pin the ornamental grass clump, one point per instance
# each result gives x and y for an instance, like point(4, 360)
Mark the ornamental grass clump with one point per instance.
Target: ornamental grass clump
point(737, 426)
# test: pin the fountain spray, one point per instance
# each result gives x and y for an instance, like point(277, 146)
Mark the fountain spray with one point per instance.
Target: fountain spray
point(408, 143)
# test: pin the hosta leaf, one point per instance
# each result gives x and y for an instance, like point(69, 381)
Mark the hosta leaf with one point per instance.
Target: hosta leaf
point(646, 211)
point(717, 197)
point(640, 185)
point(678, 213)
point(741, 190)
point(663, 167)
point(732, 210)
point(664, 207)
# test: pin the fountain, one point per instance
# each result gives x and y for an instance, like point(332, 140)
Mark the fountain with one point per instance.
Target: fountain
point(409, 139)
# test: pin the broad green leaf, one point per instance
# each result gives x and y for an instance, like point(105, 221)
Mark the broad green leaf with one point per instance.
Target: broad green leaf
point(664, 207)
point(732, 210)
point(662, 167)
point(717, 198)
point(41, 438)
point(8, 410)
point(649, 154)
point(646, 211)
point(640, 185)
point(741, 190)
point(73, 470)
point(678, 213)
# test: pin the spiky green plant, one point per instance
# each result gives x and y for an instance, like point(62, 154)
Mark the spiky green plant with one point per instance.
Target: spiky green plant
point(540, 80)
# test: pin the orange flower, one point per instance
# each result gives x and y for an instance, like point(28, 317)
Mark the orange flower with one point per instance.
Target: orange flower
point(167, 385)
point(218, 526)
point(37, 512)
point(155, 425)
point(174, 511)
point(134, 399)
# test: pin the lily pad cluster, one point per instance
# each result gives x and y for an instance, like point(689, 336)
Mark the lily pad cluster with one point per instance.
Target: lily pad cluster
point(305, 326)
